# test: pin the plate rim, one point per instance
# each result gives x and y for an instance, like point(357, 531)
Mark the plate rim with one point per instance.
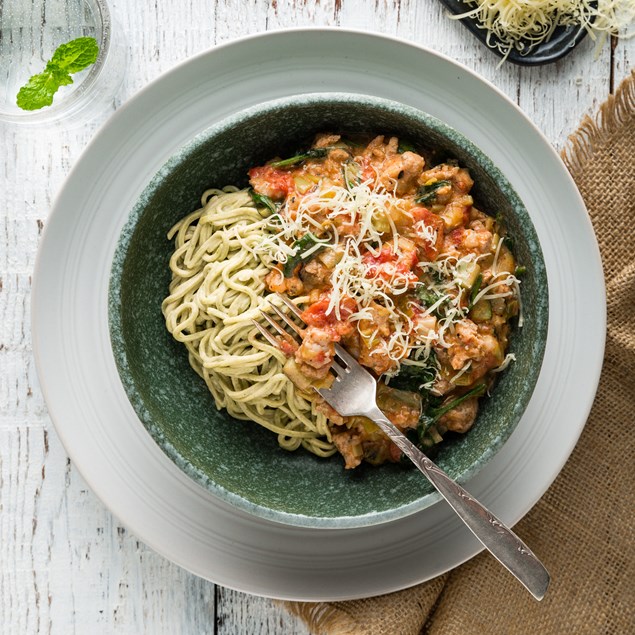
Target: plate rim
point(36, 315)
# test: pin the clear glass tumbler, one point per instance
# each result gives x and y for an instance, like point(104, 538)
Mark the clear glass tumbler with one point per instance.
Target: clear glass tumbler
point(31, 31)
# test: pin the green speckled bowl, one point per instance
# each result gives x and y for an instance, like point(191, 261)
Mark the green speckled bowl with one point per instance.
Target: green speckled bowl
point(239, 461)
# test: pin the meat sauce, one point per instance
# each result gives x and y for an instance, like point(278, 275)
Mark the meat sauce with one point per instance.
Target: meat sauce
point(403, 270)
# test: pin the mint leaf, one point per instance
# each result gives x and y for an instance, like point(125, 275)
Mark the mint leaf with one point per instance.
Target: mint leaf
point(71, 57)
point(76, 55)
point(39, 90)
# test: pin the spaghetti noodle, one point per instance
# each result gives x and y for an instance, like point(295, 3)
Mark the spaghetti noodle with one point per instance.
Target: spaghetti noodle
point(217, 289)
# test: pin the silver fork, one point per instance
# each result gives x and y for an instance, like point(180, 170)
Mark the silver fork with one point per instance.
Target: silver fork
point(353, 393)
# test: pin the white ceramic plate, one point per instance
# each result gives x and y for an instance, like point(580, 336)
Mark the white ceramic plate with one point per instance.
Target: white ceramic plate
point(97, 424)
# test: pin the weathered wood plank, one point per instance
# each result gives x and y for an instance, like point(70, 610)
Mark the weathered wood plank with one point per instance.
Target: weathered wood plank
point(66, 565)
point(624, 60)
point(248, 614)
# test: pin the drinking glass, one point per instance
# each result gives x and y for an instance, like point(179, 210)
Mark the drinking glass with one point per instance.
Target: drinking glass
point(31, 31)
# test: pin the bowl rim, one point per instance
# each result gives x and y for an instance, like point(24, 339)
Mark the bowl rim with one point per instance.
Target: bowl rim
point(181, 155)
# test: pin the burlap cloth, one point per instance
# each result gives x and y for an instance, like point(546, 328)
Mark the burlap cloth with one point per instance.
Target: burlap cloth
point(583, 528)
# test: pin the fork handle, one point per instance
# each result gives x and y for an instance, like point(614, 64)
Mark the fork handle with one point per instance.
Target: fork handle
point(498, 539)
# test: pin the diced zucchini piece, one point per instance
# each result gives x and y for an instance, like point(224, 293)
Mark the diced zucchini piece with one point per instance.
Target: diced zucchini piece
point(467, 272)
point(481, 311)
point(464, 380)
point(513, 308)
point(434, 433)
point(370, 427)
point(381, 222)
point(506, 261)
point(302, 184)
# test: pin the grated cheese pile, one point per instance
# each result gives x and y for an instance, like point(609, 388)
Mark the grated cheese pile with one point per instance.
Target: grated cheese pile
point(521, 24)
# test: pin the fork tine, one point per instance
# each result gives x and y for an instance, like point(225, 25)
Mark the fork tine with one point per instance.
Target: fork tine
point(278, 328)
point(273, 323)
point(265, 333)
point(286, 319)
point(338, 370)
point(345, 356)
point(292, 307)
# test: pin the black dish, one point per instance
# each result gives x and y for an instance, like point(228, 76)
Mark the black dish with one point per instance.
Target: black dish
point(563, 40)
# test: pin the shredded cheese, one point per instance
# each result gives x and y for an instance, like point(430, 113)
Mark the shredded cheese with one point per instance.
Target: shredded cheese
point(509, 280)
point(509, 358)
point(426, 231)
point(461, 372)
point(497, 254)
point(328, 211)
point(521, 24)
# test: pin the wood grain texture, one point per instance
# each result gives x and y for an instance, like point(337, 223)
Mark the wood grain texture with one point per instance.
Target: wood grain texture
point(66, 564)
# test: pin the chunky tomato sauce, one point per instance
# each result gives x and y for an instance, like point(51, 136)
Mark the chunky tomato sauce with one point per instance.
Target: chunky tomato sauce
point(390, 257)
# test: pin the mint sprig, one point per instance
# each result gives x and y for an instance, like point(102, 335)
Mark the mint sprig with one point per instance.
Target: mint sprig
point(72, 57)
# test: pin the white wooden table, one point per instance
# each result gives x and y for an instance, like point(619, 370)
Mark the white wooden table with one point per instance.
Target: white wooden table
point(66, 566)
